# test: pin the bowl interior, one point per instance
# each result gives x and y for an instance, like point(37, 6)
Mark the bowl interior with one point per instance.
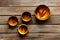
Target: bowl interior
point(13, 21)
point(26, 16)
point(42, 12)
point(23, 29)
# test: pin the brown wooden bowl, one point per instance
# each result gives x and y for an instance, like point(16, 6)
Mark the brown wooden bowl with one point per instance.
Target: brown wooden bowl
point(42, 12)
point(12, 21)
point(26, 17)
point(22, 29)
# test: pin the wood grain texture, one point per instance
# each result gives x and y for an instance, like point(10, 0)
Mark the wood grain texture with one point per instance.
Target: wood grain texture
point(29, 2)
point(39, 36)
point(48, 30)
point(51, 21)
point(3, 2)
point(33, 2)
point(5, 29)
point(20, 10)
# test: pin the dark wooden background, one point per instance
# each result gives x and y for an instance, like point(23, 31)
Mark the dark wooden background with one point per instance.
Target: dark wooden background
point(49, 30)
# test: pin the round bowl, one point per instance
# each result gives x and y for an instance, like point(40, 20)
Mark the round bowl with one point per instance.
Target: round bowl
point(22, 29)
point(12, 21)
point(42, 12)
point(26, 17)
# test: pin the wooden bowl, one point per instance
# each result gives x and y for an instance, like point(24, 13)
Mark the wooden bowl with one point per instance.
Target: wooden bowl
point(12, 21)
point(42, 12)
point(22, 29)
point(26, 17)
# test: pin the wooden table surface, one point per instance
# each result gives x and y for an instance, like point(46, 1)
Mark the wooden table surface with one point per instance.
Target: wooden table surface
point(48, 30)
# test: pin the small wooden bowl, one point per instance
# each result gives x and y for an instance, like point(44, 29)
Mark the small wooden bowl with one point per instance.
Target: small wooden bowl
point(22, 29)
point(12, 21)
point(26, 17)
point(42, 12)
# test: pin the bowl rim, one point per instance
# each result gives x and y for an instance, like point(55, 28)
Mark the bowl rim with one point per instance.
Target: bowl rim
point(39, 6)
point(9, 20)
point(20, 26)
point(29, 14)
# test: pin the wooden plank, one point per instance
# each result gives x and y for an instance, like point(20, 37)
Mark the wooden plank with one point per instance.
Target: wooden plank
point(32, 29)
point(52, 20)
point(29, 2)
point(20, 10)
point(33, 2)
point(3, 2)
point(31, 36)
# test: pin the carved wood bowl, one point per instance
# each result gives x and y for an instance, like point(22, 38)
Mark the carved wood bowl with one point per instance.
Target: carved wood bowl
point(26, 17)
point(42, 12)
point(22, 29)
point(12, 21)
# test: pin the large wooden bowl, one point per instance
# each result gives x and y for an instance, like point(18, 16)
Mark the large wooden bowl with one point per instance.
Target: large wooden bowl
point(42, 12)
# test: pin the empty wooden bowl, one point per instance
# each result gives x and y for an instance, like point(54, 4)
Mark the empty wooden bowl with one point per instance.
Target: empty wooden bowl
point(12, 21)
point(22, 29)
point(42, 12)
point(26, 17)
